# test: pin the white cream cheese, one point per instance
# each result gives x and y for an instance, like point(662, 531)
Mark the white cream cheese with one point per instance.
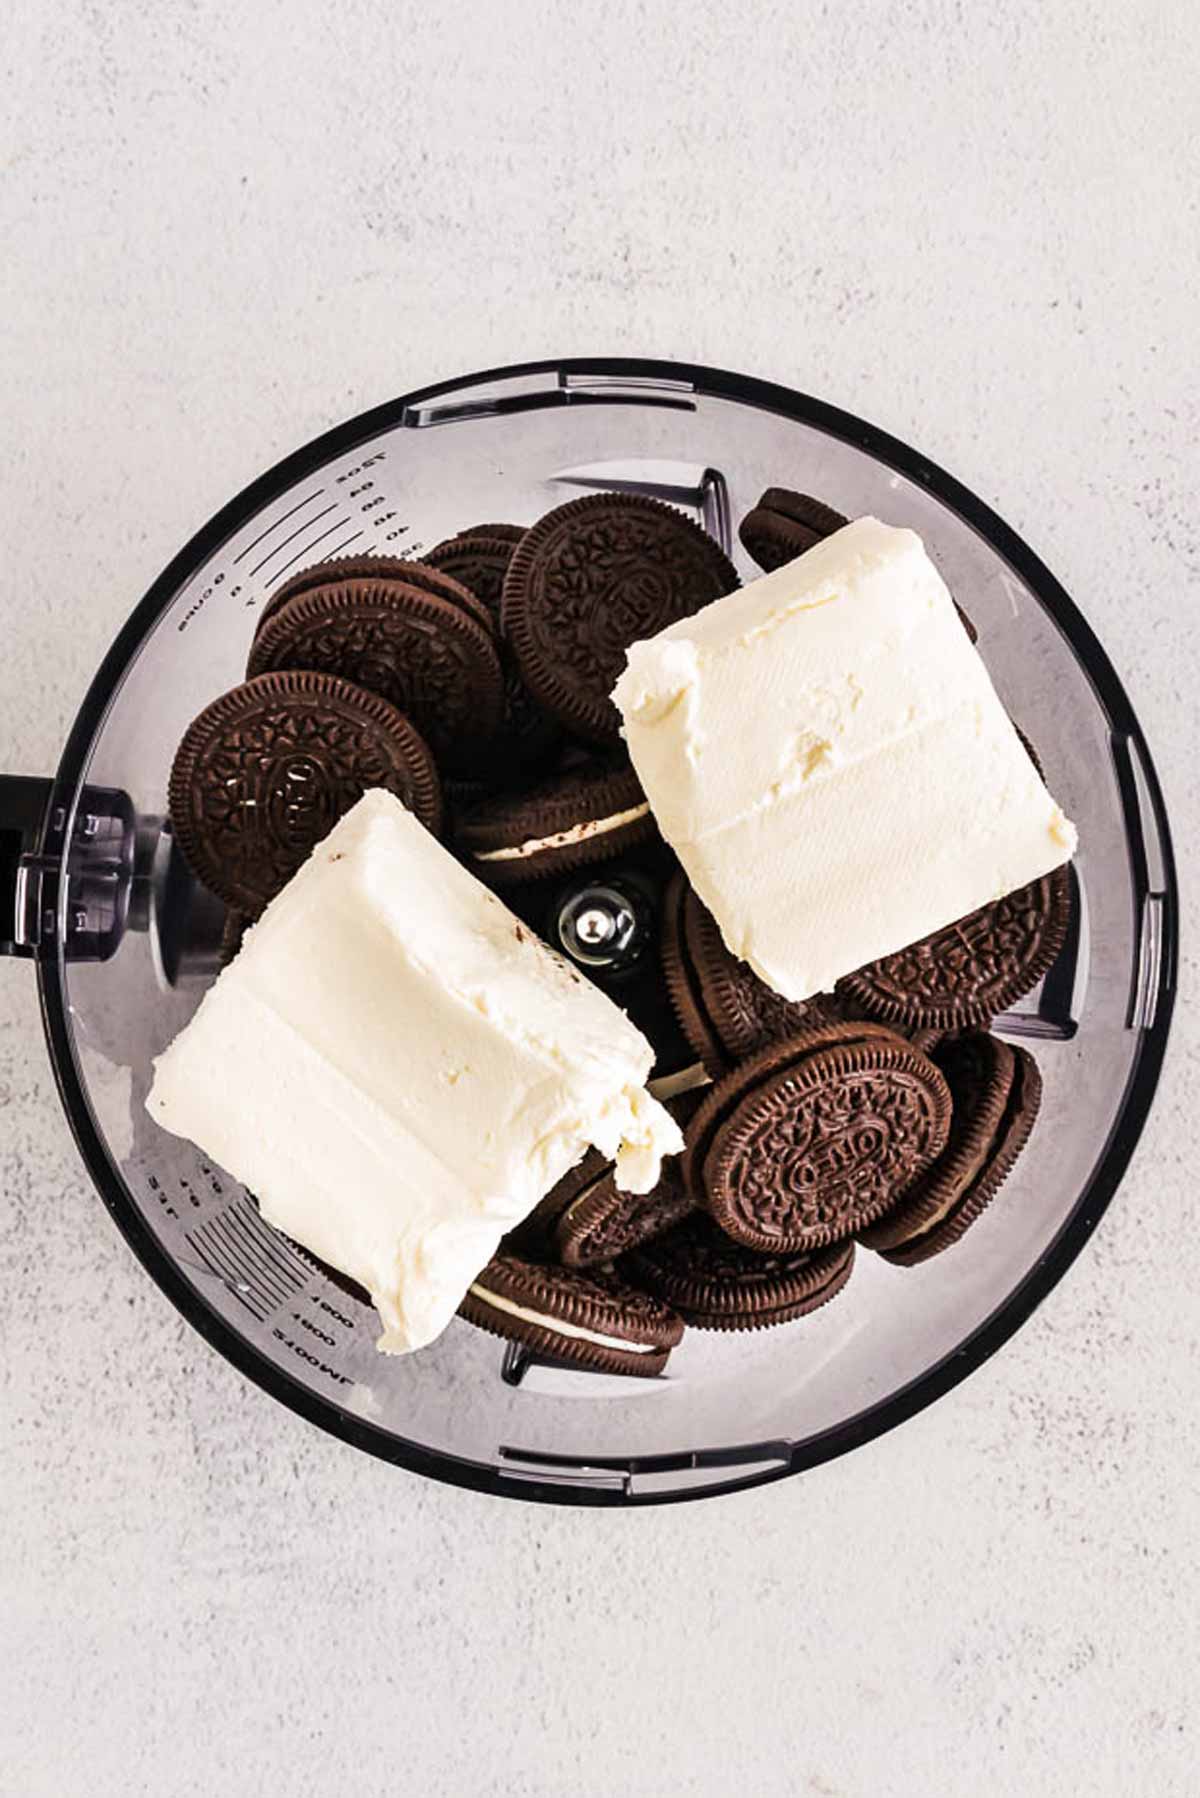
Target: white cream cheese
point(825, 752)
point(399, 1069)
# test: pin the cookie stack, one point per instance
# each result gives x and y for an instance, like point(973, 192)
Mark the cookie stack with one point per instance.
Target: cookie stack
point(906, 1167)
point(475, 686)
point(819, 1132)
point(884, 1114)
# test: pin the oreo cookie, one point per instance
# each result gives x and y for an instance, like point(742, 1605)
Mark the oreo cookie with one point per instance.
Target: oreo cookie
point(997, 1089)
point(507, 533)
point(784, 524)
point(423, 651)
point(533, 1238)
point(814, 1138)
point(683, 989)
point(589, 579)
point(959, 978)
point(595, 1215)
point(232, 931)
point(714, 1284)
point(566, 822)
point(266, 771)
point(593, 1319)
point(724, 1010)
point(601, 1222)
point(479, 562)
point(371, 568)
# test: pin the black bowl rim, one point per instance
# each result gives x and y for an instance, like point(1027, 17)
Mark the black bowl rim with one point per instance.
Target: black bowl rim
point(988, 1336)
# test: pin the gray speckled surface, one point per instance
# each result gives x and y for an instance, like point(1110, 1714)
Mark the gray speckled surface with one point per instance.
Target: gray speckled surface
point(226, 228)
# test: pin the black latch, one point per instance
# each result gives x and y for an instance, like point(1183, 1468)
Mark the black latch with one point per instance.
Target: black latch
point(23, 825)
point(98, 864)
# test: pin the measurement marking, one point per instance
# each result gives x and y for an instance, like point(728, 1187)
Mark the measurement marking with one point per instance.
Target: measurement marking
point(346, 544)
point(285, 1273)
point(230, 1284)
point(270, 1286)
point(257, 1251)
point(296, 1263)
point(276, 524)
point(245, 1259)
point(220, 1251)
point(270, 1237)
point(271, 554)
point(335, 526)
point(273, 1278)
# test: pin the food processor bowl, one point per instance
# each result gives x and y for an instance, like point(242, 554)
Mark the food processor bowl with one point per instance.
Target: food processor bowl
point(125, 941)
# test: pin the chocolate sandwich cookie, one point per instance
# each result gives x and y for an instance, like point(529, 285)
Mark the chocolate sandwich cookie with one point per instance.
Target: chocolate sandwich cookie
point(232, 931)
point(533, 1237)
point(479, 564)
point(565, 822)
point(962, 976)
point(784, 524)
point(997, 1090)
point(373, 568)
point(813, 1138)
point(266, 771)
point(596, 1320)
point(601, 1222)
point(529, 739)
point(716, 1284)
point(598, 1219)
point(426, 654)
point(719, 999)
point(591, 1180)
point(683, 990)
point(509, 533)
point(589, 579)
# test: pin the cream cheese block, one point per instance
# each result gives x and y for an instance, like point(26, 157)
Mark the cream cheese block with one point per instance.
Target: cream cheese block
point(826, 754)
point(399, 1069)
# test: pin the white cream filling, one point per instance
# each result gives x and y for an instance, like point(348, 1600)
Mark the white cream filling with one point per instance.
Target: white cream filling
point(686, 1080)
point(561, 1328)
point(577, 833)
point(587, 1192)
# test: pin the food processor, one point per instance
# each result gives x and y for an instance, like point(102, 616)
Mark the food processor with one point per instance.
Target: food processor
point(93, 887)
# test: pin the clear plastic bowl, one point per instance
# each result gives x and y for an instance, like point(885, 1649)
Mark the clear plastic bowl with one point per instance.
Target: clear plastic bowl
point(125, 942)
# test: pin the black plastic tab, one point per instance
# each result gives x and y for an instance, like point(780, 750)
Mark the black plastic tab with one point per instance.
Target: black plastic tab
point(35, 855)
point(23, 805)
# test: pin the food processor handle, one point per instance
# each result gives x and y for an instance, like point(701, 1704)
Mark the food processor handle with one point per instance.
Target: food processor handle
point(24, 821)
point(64, 875)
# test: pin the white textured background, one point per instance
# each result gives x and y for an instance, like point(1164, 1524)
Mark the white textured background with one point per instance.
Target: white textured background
point(225, 227)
